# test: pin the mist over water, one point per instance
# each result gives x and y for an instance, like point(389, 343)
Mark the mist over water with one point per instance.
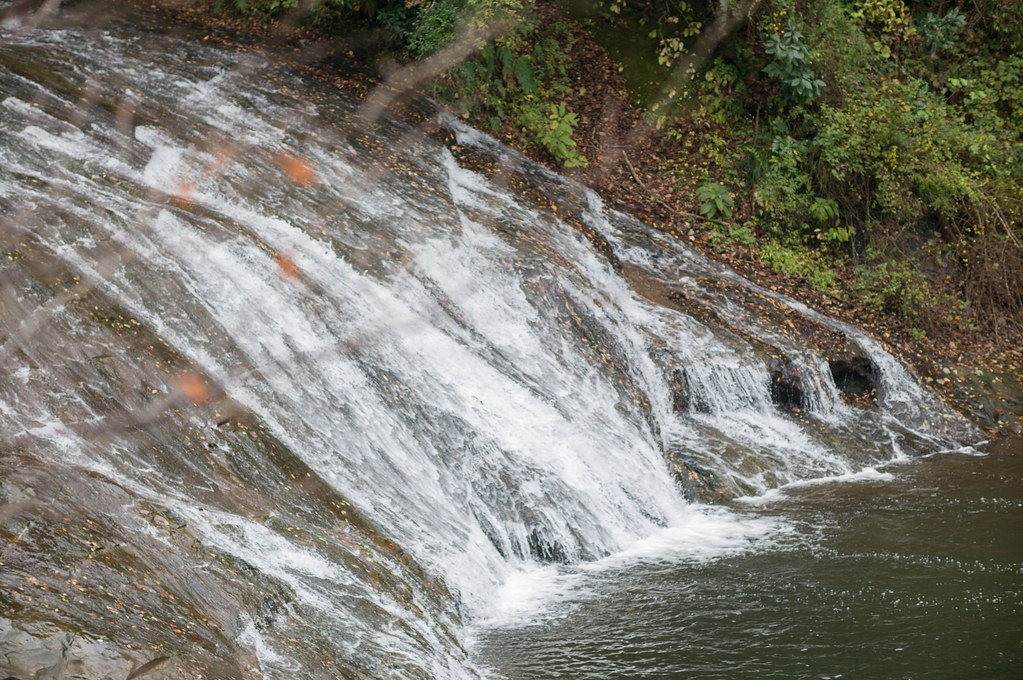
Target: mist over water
point(426, 403)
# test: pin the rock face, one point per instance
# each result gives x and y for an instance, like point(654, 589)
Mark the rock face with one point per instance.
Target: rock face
point(41, 650)
point(696, 482)
point(683, 398)
point(19, 9)
point(546, 550)
point(856, 378)
point(786, 384)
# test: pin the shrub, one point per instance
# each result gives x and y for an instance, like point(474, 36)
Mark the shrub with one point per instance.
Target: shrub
point(888, 19)
point(785, 187)
point(717, 90)
point(434, 28)
point(521, 77)
point(799, 261)
point(791, 65)
point(902, 288)
point(908, 154)
point(262, 9)
point(715, 201)
point(941, 33)
point(552, 128)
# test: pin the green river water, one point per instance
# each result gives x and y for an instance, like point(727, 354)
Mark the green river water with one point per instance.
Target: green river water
point(913, 573)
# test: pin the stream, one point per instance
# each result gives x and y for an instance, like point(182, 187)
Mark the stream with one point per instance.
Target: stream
point(292, 389)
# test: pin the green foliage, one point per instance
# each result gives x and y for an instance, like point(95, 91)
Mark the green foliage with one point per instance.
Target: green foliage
point(846, 54)
point(397, 19)
point(904, 153)
point(265, 10)
point(791, 65)
point(902, 289)
point(799, 261)
point(434, 28)
point(915, 147)
point(888, 20)
point(552, 129)
point(524, 74)
point(785, 188)
point(910, 155)
point(999, 23)
point(720, 84)
point(941, 33)
point(990, 93)
point(671, 23)
point(521, 79)
point(824, 210)
point(728, 237)
point(715, 201)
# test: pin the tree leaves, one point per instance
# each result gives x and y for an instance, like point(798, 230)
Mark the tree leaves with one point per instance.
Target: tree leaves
point(715, 201)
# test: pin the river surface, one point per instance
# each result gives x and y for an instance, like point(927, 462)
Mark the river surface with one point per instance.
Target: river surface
point(912, 571)
point(292, 387)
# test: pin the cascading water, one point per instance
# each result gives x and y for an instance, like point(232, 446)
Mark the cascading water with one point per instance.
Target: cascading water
point(423, 384)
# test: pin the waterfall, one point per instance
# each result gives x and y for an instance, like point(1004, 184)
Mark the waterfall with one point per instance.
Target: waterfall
point(423, 385)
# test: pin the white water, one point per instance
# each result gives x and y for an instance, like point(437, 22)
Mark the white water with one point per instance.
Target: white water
point(467, 371)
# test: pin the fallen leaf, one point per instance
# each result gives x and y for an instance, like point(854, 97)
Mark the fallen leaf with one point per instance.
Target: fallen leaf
point(288, 268)
point(194, 388)
point(184, 195)
point(296, 168)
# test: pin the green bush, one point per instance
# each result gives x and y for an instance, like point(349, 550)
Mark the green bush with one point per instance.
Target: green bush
point(888, 20)
point(715, 201)
point(990, 93)
point(799, 261)
point(262, 9)
point(434, 27)
point(909, 155)
point(791, 65)
point(720, 84)
point(785, 190)
point(902, 289)
point(941, 33)
point(521, 78)
point(552, 127)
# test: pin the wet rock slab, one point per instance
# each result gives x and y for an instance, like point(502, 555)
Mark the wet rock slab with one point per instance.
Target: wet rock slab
point(42, 650)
